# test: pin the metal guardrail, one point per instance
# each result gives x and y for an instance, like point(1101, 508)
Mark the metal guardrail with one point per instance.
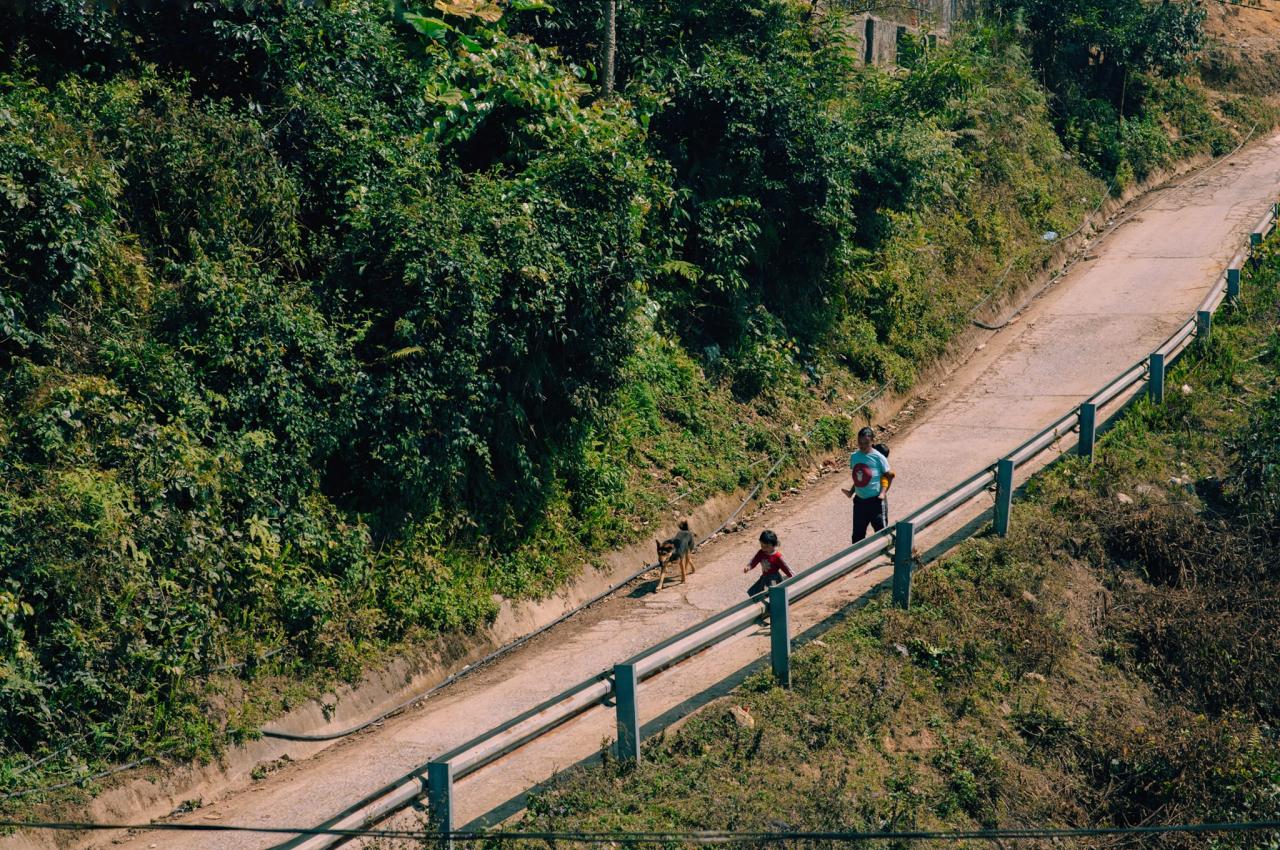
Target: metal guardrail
point(620, 683)
point(1265, 226)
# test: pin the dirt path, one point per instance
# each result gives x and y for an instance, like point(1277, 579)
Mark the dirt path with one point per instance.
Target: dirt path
point(1107, 313)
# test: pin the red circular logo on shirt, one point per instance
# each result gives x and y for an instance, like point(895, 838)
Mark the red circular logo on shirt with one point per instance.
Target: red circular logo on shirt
point(861, 475)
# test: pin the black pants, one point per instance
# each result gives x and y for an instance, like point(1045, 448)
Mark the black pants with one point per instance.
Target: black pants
point(764, 581)
point(873, 512)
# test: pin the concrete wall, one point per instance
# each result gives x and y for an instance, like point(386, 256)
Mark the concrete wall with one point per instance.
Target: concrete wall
point(887, 18)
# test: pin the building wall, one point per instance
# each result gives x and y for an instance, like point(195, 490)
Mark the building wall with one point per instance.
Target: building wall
point(936, 17)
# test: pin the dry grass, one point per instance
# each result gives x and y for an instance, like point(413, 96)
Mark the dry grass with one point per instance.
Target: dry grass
point(1108, 663)
point(1243, 52)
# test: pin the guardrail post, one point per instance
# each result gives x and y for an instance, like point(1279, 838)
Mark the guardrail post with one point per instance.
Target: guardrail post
point(780, 634)
point(1255, 239)
point(440, 800)
point(1088, 429)
point(1004, 496)
point(903, 540)
point(1204, 325)
point(1233, 285)
point(624, 692)
point(1155, 382)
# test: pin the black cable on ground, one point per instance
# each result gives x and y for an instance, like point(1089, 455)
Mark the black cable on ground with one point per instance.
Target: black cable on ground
point(93, 777)
point(1055, 278)
point(521, 641)
point(687, 836)
point(995, 289)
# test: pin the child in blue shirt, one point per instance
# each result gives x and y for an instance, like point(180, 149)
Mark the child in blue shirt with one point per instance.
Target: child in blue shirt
point(869, 468)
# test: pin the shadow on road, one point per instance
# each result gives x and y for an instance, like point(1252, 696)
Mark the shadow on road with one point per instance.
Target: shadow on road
point(662, 722)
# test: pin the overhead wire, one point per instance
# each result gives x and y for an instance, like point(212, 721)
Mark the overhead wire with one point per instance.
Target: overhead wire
point(669, 836)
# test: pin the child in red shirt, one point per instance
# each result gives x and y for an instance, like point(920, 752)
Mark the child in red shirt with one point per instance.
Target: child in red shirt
point(770, 558)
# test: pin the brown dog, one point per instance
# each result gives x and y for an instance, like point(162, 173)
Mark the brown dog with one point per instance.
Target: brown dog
point(676, 550)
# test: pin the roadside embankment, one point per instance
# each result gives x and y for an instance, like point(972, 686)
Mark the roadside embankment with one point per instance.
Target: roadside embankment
point(1109, 663)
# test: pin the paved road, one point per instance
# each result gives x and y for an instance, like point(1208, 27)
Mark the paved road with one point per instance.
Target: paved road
point(1136, 284)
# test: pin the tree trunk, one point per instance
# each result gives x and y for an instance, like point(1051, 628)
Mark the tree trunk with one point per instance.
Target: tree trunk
point(610, 43)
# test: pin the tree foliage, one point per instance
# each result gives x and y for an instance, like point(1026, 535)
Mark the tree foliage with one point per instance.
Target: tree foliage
point(1106, 62)
point(279, 282)
point(316, 316)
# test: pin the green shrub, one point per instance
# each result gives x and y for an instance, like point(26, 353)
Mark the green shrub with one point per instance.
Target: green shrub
point(57, 223)
point(1107, 63)
point(271, 328)
point(973, 780)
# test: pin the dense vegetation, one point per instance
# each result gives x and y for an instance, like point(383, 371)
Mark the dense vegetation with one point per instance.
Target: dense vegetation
point(1110, 663)
point(323, 323)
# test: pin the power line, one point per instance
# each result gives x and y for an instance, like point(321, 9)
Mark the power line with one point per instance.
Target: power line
point(687, 836)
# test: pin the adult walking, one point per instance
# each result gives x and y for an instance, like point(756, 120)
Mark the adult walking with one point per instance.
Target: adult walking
point(872, 477)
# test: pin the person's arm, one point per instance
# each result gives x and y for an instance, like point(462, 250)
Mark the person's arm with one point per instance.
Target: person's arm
point(888, 477)
point(751, 566)
point(782, 565)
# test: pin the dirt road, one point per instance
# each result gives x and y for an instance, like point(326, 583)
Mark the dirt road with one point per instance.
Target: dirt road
point(1135, 285)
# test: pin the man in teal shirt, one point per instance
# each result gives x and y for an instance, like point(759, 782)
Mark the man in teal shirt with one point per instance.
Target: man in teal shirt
point(871, 479)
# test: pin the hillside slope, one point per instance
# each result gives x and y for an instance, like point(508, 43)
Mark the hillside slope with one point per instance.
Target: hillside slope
point(1110, 663)
point(1243, 51)
point(325, 327)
